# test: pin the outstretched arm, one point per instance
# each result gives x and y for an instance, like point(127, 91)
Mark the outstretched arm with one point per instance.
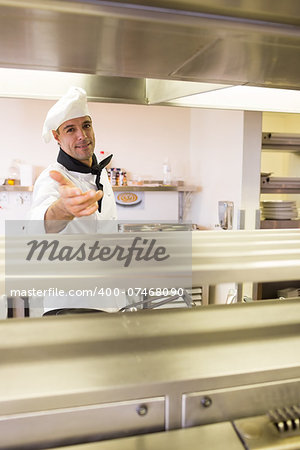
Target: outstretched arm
point(71, 203)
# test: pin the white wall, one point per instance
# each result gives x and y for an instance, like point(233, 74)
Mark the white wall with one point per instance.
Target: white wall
point(225, 161)
point(140, 137)
point(205, 147)
point(21, 126)
point(216, 138)
point(251, 168)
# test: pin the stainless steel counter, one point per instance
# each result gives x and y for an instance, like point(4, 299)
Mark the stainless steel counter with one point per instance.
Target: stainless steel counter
point(108, 376)
point(210, 437)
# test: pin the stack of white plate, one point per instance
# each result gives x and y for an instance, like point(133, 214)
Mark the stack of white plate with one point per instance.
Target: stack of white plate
point(279, 210)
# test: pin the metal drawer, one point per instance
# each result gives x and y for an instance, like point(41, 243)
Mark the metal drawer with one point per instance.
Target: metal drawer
point(82, 424)
point(219, 405)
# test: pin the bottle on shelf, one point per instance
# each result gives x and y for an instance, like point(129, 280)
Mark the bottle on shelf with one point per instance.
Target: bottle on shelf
point(124, 179)
point(166, 172)
point(13, 177)
point(118, 176)
point(113, 177)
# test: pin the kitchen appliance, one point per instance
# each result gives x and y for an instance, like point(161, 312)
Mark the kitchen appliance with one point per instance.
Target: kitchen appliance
point(225, 209)
point(138, 227)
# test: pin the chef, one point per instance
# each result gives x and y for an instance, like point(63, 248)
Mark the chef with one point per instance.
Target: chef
point(73, 194)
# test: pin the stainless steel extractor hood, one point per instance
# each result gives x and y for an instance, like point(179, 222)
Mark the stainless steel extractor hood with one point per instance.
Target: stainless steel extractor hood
point(121, 45)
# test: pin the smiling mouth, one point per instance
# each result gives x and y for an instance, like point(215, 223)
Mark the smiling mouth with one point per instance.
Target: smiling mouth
point(83, 146)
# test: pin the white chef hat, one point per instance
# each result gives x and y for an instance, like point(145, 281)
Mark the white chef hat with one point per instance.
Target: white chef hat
point(71, 105)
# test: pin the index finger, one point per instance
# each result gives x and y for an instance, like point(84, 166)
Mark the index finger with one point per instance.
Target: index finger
point(60, 178)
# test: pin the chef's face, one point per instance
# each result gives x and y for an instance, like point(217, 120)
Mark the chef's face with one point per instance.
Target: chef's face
point(76, 137)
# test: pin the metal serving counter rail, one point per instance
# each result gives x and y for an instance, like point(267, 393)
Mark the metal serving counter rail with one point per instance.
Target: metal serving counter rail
point(216, 376)
point(216, 256)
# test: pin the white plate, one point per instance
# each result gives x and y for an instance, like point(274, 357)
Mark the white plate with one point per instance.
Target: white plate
point(280, 211)
point(128, 198)
point(277, 203)
point(280, 216)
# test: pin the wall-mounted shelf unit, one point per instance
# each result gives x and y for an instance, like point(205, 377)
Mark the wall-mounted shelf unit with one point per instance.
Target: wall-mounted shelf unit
point(283, 142)
point(15, 188)
point(286, 143)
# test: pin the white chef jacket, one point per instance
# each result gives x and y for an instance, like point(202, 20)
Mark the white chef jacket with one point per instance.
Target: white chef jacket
point(46, 191)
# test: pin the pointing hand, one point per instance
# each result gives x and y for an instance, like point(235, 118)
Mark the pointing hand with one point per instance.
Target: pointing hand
point(72, 200)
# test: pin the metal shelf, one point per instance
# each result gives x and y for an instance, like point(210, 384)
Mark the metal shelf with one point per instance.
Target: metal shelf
point(15, 188)
point(156, 187)
point(281, 142)
point(271, 190)
point(280, 185)
point(269, 224)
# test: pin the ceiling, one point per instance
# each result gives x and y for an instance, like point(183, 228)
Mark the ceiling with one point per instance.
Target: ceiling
point(139, 51)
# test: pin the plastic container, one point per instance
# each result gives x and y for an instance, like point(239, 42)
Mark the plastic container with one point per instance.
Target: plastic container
point(26, 174)
point(13, 177)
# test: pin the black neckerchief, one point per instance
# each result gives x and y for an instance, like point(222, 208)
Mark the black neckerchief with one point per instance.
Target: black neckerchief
point(74, 165)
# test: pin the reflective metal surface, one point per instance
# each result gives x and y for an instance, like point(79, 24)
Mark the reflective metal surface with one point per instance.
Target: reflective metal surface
point(114, 375)
point(268, 10)
point(209, 437)
point(229, 403)
point(42, 84)
point(74, 424)
point(259, 433)
point(219, 42)
point(240, 256)
point(213, 257)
